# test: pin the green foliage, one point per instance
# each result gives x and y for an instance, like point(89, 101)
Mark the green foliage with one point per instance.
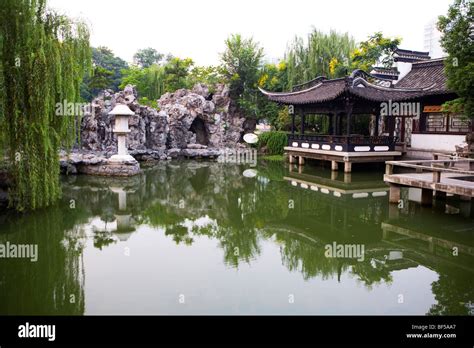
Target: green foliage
point(283, 120)
point(149, 82)
point(376, 50)
point(44, 58)
point(176, 72)
point(272, 77)
point(107, 73)
point(241, 62)
point(309, 59)
point(208, 75)
point(146, 57)
point(458, 41)
point(274, 158)
point(101, 78)
point(274, 141)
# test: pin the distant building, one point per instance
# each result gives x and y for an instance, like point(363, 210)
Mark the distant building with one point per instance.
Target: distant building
point(432, 39)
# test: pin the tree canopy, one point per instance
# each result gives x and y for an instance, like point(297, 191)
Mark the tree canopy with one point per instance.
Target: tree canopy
point(44, 57)
point(457, 29)
point(146, 57)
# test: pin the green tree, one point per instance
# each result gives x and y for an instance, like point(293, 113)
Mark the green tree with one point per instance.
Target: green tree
point(208, 75)
point(149, 82)
point(44, 58)
point(457, 40)
point(318, 55)
point(376, 50)
point(100, 79)
point(107, 73)
point(241, 62)
point(272, 77)
point(146, 57)
point(176, 72)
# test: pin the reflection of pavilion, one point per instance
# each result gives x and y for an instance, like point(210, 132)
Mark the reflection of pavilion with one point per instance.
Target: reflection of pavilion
point(428, 249)
point(339, 189)
point(339, 208)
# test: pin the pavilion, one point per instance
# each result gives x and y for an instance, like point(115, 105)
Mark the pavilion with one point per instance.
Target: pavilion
point(420, 92)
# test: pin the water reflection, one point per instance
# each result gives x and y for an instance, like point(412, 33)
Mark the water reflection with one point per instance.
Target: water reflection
point(295, 213)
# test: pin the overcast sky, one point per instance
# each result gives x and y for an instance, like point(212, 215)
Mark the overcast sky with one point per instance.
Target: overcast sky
point(197, 29)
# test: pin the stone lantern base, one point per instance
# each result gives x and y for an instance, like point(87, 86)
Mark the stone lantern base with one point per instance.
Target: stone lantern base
point(118, 168)
point(123, 159)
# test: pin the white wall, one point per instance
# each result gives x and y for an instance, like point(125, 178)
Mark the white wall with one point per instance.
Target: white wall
point(404, 68)
point(439, 142)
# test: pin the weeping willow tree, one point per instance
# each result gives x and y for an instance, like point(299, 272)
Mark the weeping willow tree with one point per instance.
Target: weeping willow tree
point(43, 58)
point(317, 56)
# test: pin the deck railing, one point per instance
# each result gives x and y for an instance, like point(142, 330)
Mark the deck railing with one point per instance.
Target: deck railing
point(437, 167)
point(352, 143)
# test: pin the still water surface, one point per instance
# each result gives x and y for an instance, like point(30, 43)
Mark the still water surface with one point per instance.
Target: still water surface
point(213, 238)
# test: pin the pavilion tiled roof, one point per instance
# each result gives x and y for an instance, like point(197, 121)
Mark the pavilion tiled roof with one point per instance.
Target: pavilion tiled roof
point(409, 56)
point(425, 73)
point(426, 78)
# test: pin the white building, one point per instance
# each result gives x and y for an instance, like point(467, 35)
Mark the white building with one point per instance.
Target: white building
point(431, 43)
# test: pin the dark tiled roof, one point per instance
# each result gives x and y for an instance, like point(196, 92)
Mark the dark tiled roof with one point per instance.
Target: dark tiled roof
point(402, 55)
point(424, 74)
point(380, 71)
point(426, 78)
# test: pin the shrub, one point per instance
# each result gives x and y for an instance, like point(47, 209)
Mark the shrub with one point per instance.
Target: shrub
point(274, 142)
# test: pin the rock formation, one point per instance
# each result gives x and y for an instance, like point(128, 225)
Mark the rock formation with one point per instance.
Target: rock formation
point(189, 122)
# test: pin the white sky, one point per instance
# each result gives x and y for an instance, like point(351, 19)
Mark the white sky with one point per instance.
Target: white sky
point(197, 29)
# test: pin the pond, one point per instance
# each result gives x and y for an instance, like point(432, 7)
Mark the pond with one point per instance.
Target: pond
point(215, 238)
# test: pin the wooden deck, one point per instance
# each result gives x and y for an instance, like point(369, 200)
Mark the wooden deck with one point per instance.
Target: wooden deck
point(443, 177)
point(336, 157)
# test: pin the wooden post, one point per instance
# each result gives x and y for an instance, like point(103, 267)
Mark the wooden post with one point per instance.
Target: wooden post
point(393, 212)
point(330, 123)
point(334, 165)
point(302, 122)
point(347, 178)
point(394, 194)
point(436, 177)
point(377, 118)
point(293, 123)
point(388, 169)
point(426, 197)
point(349, 121)
point(347, 167)
point(301, 160)
point(292, 159)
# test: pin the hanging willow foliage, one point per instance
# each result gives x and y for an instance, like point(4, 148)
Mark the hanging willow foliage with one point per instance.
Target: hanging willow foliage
point(43, 58)
point(312, 58)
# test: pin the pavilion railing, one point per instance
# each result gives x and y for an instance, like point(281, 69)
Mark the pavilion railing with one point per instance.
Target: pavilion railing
point(352, 143)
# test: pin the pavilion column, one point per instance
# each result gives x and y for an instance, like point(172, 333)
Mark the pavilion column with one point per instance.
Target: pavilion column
point(349, 117)
point(293, 123)
point(331, 124)
point(302, 122)
point(333, 120)
point(377, 118)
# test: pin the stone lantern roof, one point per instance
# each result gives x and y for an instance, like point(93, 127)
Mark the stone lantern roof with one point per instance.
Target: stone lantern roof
point(121, 109)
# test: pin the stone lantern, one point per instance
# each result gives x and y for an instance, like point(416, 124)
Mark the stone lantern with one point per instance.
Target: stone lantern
point(122, 113)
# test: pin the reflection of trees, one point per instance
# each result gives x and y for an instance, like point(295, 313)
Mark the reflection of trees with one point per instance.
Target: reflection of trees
point(55, 283)
point(453, 294)
point(212, 200)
